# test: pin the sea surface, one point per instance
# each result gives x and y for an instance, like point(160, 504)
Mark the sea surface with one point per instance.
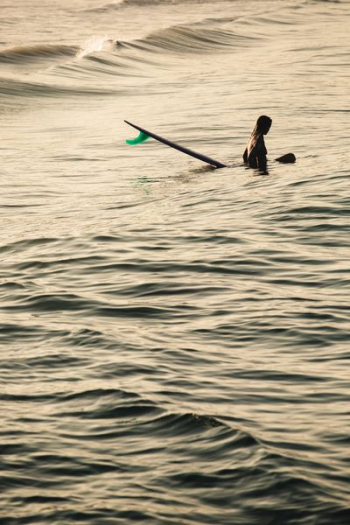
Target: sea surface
point(175, 339)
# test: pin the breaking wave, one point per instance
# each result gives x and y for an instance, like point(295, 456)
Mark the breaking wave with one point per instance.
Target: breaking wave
point(22, 54)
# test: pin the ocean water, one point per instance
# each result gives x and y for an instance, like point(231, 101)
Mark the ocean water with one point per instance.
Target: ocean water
point(174, 338)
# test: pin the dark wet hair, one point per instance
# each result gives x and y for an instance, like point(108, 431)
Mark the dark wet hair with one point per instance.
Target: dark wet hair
point(263, 124)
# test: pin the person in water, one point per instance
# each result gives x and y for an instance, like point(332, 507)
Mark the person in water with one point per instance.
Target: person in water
point(255, 152)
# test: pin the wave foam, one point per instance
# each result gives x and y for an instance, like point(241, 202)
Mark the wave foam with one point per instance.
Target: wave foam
point(96, 44)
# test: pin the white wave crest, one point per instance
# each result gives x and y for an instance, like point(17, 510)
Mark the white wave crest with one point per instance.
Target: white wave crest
point(96, 44)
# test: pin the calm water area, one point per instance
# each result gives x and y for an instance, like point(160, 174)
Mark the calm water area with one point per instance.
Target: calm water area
point(174, 338)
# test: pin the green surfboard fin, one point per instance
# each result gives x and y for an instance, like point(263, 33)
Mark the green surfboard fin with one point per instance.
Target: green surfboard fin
point(141, 138)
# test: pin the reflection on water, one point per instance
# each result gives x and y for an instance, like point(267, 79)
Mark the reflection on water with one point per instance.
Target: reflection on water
point(175, 337)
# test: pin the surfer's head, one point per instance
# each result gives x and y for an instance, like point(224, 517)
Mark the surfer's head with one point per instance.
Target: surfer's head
point(263, 124)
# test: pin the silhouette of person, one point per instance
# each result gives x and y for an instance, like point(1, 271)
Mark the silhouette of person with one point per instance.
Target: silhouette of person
point(255, 152)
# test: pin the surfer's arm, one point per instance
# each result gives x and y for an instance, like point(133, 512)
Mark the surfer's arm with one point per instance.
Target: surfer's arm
point(261, 162)
point(260, 155)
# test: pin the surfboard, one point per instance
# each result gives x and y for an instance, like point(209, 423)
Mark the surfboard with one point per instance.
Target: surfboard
point(178, 147)
point(288, 158)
